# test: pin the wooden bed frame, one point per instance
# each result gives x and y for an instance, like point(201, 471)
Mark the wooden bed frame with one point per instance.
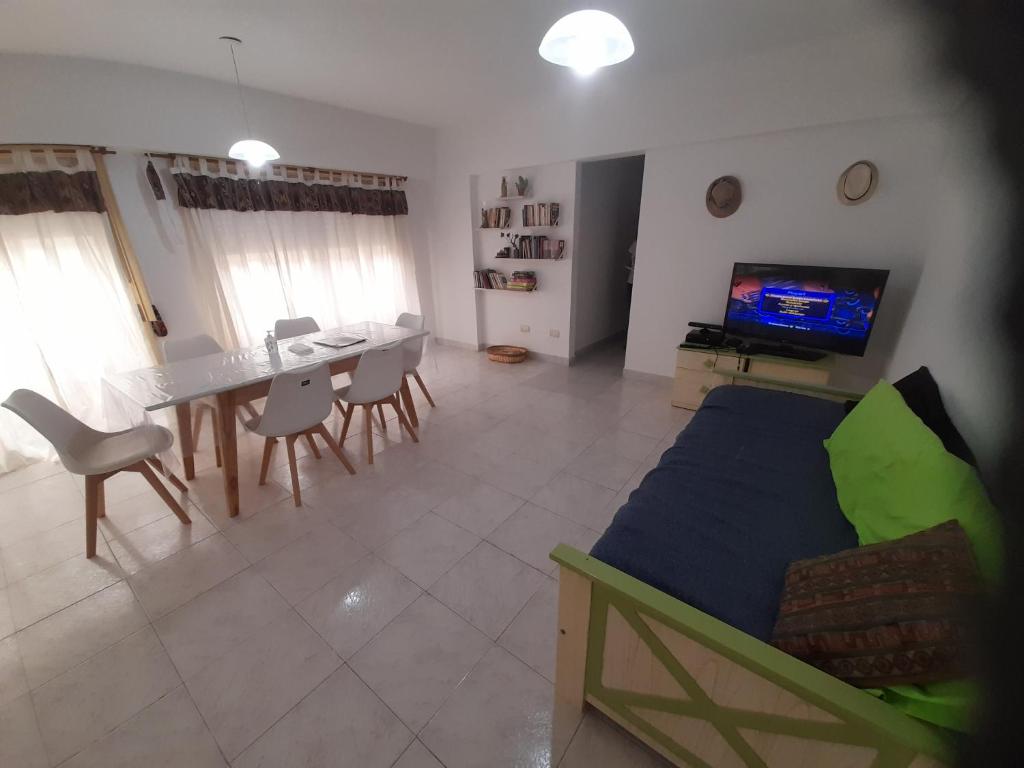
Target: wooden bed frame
point(705, 694)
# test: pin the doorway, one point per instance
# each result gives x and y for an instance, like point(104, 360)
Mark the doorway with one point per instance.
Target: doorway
point(608, 194)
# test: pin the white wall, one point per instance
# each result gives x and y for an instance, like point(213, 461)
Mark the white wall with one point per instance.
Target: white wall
point(880, 73)
point(789, 214)
point(955, 322)
point(607, 216)
point(129, 108)
point(500, 315)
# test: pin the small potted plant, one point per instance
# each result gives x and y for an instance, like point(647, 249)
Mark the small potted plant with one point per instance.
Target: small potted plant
point(521, 184)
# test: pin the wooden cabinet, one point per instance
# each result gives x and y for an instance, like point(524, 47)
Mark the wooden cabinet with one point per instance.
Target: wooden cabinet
point(698, 371)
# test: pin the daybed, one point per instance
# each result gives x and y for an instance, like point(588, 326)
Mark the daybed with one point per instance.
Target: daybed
point(663, 627)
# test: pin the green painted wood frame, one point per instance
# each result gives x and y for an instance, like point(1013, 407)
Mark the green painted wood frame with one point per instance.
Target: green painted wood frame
point(863, 720)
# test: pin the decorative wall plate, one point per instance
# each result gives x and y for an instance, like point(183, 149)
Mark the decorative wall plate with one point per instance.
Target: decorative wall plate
point(724, 196)
point(857, 183)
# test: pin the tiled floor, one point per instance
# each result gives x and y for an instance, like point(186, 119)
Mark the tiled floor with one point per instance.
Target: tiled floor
point(403, 616)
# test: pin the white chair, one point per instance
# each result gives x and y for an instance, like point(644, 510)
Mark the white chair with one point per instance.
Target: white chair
point(297, 326)
point(98, 455)
point(413, 351)
point(198, 346)
point(375, 381)
point(297, 404)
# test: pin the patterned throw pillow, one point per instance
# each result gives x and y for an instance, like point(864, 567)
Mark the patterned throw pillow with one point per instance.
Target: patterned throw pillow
point(884, 614)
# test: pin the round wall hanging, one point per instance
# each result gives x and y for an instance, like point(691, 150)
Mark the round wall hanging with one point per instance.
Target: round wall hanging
point(724, 196)
point(857, 183)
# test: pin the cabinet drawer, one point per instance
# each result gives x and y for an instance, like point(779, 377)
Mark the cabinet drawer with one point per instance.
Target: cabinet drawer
point(699, 360)
point(802, 374)
point(691, 387)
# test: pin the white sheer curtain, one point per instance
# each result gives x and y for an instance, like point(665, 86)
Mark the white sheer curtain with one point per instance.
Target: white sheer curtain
point(66, 314)
point(254, 267)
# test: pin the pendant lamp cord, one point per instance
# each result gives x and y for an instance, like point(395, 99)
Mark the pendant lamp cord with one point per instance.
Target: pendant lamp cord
point(241, 100)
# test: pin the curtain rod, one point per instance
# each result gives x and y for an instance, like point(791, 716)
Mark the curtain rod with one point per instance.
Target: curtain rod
point(172, 155)
point(40, 147)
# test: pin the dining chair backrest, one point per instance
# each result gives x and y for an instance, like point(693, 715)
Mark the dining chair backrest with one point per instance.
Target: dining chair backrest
point(413, 347)
point(378, 375)
point(49, 419)
point(297, 400)
point(193, 346)
point(294, 326)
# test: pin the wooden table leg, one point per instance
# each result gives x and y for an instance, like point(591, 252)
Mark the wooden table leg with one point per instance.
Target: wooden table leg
point(184, 414)
point(228, 450)
point(410, 408)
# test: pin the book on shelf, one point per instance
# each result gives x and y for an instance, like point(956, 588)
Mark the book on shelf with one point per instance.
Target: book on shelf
point(540, 215)
point(496, 218)
point(493, 280)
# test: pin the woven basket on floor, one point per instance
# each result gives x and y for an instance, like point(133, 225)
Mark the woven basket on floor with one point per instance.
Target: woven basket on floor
point(504, 353)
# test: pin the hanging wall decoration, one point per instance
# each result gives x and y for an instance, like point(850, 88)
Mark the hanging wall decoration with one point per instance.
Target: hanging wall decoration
point(724, 196)
point(857, 183)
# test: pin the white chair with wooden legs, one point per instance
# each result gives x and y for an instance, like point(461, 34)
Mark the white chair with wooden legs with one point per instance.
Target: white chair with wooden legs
point(375, 382)
point(290, 327)
point(297, 404)
point(198, 346)
point(413, 352)
point(98, 455)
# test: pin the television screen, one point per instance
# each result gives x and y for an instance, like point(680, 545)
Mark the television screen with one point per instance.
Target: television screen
point(827, 308)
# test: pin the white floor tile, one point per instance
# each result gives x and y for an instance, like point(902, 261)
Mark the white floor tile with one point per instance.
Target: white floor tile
point(20, 742)
point(428, 548)
point(479, 508)
point(353, 607)
point(86, 702)
point(417, 756)
point(59, 586)
point(603, 467)
point(167, 733)
point(598, 741)
point(44, 550)
point(218, 621)
point(532, 532)
point(419, 658)
point(302, 567)
point(56, 644)
point(153, 542)
point(340, 724)
point(272, 528)
point(31, 509)
point(577, 499)
point(13, 682)
point(533, 634)
point(175, 580)
point(488, 588)
point(6, 619)
point(506, 706)
point(243, 693)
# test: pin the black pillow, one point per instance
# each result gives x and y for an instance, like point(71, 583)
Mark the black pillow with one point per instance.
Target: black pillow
point(921, 394)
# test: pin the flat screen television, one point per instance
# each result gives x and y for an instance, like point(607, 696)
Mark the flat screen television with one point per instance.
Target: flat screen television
point(832, 309)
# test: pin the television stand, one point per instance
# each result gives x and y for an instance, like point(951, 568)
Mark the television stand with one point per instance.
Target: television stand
point(751, 348)
point(700, 369)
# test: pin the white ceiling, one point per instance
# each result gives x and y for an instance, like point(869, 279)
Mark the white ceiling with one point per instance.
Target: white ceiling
point(436, 62)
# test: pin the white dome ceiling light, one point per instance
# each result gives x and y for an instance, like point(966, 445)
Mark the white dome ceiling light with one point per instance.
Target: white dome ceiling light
point(252, 151)
point(586, 41)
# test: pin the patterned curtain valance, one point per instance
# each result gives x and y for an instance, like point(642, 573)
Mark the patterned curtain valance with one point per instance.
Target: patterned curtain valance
point(231, 186)
point(39, 180)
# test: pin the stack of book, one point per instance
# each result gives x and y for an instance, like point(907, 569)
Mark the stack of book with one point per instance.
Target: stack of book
point(495, 218)
point(491, 279)
point(539, 247)
point(541, 215)
point(522, 281)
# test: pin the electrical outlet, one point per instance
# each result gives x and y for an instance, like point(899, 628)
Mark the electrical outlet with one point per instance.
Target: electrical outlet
point(524, 328)
point(554, 333)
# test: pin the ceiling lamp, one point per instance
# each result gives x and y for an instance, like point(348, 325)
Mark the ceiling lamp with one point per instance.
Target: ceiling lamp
point(252, 151)
point(587, 41)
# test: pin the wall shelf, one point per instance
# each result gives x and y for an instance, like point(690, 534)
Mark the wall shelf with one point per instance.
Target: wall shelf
point(501, 290)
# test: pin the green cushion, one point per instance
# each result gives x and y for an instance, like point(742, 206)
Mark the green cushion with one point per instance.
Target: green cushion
point(893, 478)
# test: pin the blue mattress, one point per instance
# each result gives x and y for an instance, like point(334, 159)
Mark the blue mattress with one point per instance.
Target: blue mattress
point(745, 490)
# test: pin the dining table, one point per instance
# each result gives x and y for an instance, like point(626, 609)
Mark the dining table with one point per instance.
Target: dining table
point(236, 377)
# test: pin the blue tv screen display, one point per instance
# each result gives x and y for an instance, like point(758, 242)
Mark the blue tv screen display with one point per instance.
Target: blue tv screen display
point(827, 308)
